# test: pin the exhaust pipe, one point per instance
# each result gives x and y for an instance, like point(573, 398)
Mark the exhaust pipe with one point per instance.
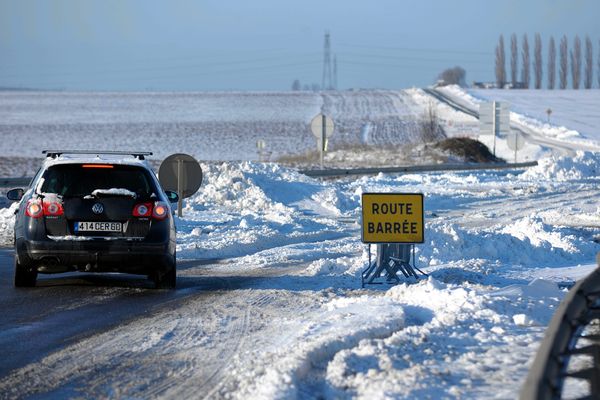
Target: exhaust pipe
point(51, 265)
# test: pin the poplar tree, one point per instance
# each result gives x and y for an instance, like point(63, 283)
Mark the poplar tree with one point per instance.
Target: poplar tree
point(563, 63)
point(500, 63)
point(525, 59)
point(537, 61)
point(589, 64)
point(551, 64)
point(576, 62)
point(514, 56)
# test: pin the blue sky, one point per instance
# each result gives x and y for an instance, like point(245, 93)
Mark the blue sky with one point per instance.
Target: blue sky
point(265, 44)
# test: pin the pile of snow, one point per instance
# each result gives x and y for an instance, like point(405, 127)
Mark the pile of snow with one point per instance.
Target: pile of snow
point(7, 223)
point(583, 166)
point(246, 207)
point(457, 342)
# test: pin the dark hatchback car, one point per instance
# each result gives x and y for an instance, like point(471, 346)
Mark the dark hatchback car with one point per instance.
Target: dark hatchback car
point(100, 213)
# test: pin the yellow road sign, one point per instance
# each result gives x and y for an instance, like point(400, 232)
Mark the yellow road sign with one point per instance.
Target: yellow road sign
point(392, 218)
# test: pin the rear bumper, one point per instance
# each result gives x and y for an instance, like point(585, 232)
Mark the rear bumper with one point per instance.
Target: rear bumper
point(97, 255)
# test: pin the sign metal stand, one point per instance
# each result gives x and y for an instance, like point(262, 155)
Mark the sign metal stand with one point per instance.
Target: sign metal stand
point(391, 259)
point(393, 221)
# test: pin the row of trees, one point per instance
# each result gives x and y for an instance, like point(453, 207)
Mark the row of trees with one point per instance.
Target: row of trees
point(574, 56)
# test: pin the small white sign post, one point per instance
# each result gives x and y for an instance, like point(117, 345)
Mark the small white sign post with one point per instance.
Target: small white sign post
point(515, 142)
point(322, 127)
point(494, 119)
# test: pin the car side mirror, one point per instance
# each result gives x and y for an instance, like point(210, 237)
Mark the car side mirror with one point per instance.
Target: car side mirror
point(15, 194)
point(172, 196)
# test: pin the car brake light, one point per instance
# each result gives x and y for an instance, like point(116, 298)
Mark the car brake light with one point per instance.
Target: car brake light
point(97, 166)
point(142, 210)
point(160, 211)
point(34, 208)
point(52, 208)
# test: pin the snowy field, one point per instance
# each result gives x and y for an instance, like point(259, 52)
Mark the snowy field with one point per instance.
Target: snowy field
point(284, 315)
point(574, 109)
point(574, 128)
point(209, 126)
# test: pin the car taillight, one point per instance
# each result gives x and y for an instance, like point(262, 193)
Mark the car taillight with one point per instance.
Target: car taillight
point(142, 210)
point(34, 208)
point(160, 211)
point(52, 208)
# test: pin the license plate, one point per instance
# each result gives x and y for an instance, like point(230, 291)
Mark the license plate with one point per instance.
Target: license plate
point(85, 226)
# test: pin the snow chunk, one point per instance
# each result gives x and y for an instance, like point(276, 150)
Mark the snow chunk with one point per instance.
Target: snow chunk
point(113, 192)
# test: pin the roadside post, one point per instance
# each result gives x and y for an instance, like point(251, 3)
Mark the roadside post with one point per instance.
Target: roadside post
point(263, 154)
point(494, 119)
point(180, 173)
point(395, 223)
point(515, 142)
point(322, 127)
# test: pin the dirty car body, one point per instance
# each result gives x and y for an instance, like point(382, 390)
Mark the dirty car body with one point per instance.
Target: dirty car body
point(106, 213)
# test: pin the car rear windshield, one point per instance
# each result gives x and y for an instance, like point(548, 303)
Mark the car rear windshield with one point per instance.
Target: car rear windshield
point(75, 180)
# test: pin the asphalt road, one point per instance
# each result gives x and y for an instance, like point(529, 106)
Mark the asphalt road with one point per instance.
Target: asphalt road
point(65, 309)
point(111, 335)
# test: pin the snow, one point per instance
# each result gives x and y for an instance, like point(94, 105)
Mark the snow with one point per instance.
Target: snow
point(209, 126)
point(500, 249)
point(114, 192)
point(527, 107)
point(574, 111)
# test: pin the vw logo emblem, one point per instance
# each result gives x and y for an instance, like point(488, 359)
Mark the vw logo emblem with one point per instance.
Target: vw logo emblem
point(98, 208)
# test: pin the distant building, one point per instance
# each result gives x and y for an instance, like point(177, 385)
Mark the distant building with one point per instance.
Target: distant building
point(485, 85)
point(494, 85)
point(517, 85)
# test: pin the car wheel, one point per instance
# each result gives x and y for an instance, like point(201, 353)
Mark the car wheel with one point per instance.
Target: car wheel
point(167, 277)
point(24, 276)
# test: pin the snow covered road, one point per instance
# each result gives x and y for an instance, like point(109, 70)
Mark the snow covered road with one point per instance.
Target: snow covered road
point(269, 303)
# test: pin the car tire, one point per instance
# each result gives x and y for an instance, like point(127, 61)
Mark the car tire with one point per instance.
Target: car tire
point(24, 276)
point(167, 278)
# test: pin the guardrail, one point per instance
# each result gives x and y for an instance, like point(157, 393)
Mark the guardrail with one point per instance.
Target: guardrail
point(15, 182)
point(24, 181)
point(549, 370)
point(415, 168)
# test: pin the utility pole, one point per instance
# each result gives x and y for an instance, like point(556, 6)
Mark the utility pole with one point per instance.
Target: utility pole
point(326, 81)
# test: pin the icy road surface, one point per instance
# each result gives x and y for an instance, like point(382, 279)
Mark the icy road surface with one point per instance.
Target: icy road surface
point(269, 303)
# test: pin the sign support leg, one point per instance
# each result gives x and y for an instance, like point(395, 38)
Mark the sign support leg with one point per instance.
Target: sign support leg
point(323, 137)
point(179, 188)
point(391, 259)
point(494, 114)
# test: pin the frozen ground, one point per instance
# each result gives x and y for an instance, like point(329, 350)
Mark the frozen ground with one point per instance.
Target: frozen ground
point(269, 302)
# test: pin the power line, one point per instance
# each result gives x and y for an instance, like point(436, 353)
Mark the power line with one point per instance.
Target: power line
point(487, 53)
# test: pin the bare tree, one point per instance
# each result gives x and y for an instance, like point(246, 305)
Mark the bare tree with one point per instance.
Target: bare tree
point(537, 61)
point(500, 63)
point(525, 59)
point(514, 56)
point(589, 63)
point(431, 129)
point(551, 64)
point(563, 63)
point(576, 62)
point(296, 85)
point(454, 76)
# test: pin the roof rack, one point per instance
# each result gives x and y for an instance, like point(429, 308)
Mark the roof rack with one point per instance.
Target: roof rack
point(57, 153)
